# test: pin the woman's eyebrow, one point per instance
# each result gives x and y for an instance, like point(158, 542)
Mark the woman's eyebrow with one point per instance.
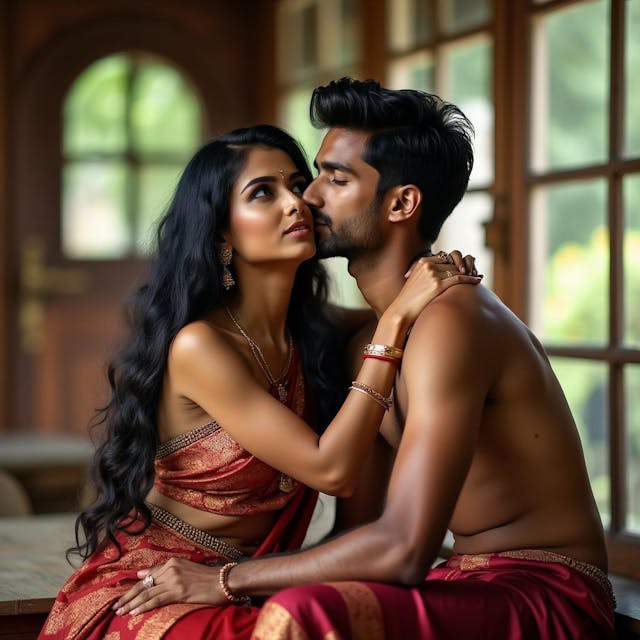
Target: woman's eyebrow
point(295, 174)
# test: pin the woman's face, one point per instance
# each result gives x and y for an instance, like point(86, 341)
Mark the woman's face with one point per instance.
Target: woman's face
point(269, 221)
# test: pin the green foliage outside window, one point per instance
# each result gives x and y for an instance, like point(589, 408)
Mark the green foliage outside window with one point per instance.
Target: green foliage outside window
point(130, 124)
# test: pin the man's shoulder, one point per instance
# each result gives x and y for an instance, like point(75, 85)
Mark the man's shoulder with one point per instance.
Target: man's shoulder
point(462, 307)
point(464, 323)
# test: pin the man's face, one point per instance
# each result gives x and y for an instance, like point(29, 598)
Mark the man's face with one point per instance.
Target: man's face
point(343, 197)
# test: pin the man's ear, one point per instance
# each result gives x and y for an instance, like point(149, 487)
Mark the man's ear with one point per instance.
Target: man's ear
point(404, 202)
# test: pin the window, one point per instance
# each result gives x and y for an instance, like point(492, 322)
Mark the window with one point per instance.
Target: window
point(322, 43)
point(446, 48)
point(553, 206)
point(130, 123)
point(584, 241)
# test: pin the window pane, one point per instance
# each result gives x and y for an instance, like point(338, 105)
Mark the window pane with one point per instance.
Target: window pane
point(94, 225)
point(570, 89)
point(467, 83)
point(632, 79)
point(294, 117)
point(308, 30)
point(156, 186)
point(464, 230)
point(631, 195)
point(347, 19)
point(632, 420)
point(94, 109)
point(570, 263)
point(458, 15)
point(165, 113)
point(410, 23)
point(585, 385)
point(413, 72)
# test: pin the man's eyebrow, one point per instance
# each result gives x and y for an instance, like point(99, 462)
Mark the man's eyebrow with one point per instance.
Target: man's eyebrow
point(293, 176)
point(333, 166)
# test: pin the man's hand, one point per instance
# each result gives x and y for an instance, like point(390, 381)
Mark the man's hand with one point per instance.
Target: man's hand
point(177, 580)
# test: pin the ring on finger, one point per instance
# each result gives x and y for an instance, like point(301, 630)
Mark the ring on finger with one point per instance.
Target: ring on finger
point(148, 581)
point(449, 275)
point(444, 256)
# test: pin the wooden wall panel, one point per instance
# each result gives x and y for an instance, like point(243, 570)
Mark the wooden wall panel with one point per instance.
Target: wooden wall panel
point(43, 46)
point(4, 214)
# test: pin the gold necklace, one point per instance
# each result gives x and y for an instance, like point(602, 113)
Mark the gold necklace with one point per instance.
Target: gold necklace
point(281, 381)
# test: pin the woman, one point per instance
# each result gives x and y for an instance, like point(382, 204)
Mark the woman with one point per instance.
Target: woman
point(229, 330)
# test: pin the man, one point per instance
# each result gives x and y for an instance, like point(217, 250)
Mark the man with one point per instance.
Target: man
point(485, 442)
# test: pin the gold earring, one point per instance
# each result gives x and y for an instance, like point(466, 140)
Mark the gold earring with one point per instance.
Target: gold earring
point(224, 255)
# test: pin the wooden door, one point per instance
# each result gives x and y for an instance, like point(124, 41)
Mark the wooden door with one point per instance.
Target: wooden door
point(65, 315)
point(69, 311)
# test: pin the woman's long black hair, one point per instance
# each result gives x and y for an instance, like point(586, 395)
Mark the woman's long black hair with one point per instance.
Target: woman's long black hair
point(184, 285)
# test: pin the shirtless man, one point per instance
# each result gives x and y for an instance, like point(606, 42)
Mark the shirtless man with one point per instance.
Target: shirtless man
point(486, 444)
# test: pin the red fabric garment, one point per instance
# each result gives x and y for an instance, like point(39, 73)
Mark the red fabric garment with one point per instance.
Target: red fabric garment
point(82, 610)
point(489, 597)
point(207, 469)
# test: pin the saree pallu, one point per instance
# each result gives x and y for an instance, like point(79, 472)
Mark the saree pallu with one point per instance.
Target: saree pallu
point(509, 596)
point(82, 610)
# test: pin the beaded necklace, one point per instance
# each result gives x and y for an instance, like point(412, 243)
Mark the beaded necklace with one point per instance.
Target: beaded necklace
point(281, 381)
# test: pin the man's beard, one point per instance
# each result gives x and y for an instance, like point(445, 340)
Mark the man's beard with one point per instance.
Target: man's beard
point(356, 236)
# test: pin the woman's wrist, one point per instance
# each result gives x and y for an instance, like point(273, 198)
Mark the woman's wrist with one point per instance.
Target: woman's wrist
point(229, 592)
point(392, 329)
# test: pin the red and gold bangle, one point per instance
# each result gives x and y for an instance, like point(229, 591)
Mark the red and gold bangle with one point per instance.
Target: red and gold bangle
point(222, 579)
point(395, 361)
point(382, 350)
point(361, 387)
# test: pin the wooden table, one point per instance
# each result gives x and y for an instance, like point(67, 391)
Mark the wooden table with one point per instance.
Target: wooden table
point(52, 469)
point(33, 567)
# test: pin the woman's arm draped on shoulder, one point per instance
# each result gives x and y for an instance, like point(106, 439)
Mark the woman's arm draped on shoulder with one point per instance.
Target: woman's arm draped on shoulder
point(432, 462)
point(209, 372)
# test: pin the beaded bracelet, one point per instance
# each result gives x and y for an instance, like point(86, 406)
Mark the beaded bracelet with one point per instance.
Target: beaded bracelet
point(361, 387)
point(222, 579)
point(382, 350)
point(395, 361)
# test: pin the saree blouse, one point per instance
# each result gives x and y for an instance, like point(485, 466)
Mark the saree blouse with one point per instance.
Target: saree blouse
point(207, 469)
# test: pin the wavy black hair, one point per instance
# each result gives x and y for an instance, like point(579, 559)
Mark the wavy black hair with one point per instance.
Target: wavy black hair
point(414, 138)
point(184, 285)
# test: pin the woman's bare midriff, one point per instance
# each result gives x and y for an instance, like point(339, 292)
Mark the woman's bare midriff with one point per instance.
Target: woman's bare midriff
point(243, 532)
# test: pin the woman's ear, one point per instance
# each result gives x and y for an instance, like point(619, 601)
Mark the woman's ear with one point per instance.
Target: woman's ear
point(404, 203)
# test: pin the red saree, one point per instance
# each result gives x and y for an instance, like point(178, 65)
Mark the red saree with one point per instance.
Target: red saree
point(515, 595)
point(207, 469)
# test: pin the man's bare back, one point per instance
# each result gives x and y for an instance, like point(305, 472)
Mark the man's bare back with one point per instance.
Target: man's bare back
point(527, 485)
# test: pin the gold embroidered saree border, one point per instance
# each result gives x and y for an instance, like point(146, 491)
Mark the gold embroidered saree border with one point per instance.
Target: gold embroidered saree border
point(185, 439)
point(185, 530)
point(469, 562)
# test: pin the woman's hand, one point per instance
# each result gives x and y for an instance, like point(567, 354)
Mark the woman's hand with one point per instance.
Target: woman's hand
point(464, 265)
point(427, 279)
point(177, 580)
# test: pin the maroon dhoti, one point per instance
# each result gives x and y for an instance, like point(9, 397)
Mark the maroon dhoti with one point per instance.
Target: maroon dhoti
point(520, 594)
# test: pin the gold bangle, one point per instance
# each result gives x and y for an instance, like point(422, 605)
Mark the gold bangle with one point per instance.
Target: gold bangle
point(361, 387)
point(382, 350)
point(222, 579)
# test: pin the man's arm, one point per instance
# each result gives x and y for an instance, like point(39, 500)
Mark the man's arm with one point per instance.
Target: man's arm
point(444, 412)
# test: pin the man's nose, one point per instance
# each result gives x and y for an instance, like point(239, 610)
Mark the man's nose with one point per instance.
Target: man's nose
point(311, 195)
